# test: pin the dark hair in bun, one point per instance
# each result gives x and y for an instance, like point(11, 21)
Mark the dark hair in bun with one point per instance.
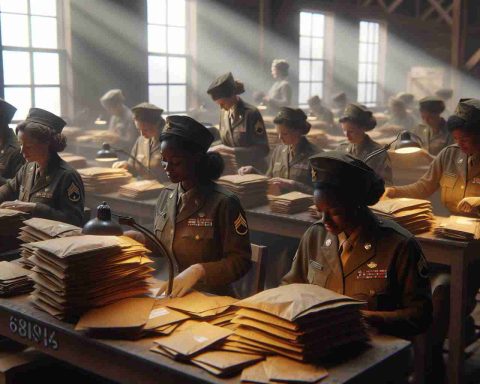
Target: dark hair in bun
point(367, 123)
point(42, 133)
point(293, 119)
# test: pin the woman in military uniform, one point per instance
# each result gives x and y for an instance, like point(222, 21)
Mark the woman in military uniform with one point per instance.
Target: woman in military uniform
point(399, 116)
point(280, 94)
point(10, 157)
point(353, 253)
point(356, 121)
point(242, 130)
point(121, 120)
point(149, 121)
point(433, 132)
point(199, 222)
point(289, 165)
point(322, 114)
point(45, 186)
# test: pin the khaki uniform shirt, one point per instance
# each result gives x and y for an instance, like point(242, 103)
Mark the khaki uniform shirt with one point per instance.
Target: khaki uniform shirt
point(451, 172)
point(246, 134)
point(211, 229)
point(11, 159)
point(434, 143)
point(380, 163)
point(385, 268)
point(297, 168)
point(124, 127)
point(147, 152)
point(280, 95)
point(58, 194)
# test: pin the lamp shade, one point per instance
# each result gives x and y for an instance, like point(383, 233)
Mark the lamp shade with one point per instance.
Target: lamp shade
point(106, 153)
point(406, 144)
point(102, 224)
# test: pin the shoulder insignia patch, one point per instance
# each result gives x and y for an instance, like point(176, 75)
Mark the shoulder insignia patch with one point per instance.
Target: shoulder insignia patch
point(73, 192)
point(241, 226)
point(259, 128)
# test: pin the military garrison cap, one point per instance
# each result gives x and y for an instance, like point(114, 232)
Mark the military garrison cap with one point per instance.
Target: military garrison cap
point(432, 104)
point(444, 93)
point(224, 86)
point(406, 97)
point(188, 129)
point(468, 110)
point(46, 118)
point(147, 112)
point(314, 101)
point(112, 98)
point(340, 97)
point(7, 111)
point(360, 114)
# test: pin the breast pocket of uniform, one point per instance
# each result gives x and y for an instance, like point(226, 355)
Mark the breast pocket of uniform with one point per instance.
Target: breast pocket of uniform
point(159, 223)
point(447, 184)
point(317, 273)
point(199, 243)
point(44, 197)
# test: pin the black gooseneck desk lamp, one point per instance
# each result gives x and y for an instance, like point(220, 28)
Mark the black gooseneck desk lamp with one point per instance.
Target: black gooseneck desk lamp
point(104, 225)
point(405, 144)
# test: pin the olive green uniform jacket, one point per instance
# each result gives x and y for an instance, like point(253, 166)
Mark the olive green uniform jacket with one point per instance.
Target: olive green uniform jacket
point(386, 268)
point(380, 163)
point(124, 127)
point(450, 171)
point(11, 158)
point(298, 168)
point(210, 230)
point(247, 135)
point(434, 143)
point(147, 152)
point(280, 95)
point(59, 194)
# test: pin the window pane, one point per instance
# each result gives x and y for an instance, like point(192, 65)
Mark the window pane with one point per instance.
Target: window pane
point(305, 47)
point(157, 94)
point(176, 40)
point(157, 69)
point(49, 99)
point(305, 24)
point(157, 11)
point(14, 30)
point(21, 98)
point(43, 7)
point(44, 32)
point(177, 70)
point(317, 71)
point(318, 25)
point(46, 68)
point(375, 54)
point(362, 52)
point(362, 73)
point(16, 6)
point(304, 70)
point(16, 68)
point(361, 93)
point(316, 89)
point(176, 12)
point(363, 31)
point(177, 98)
point(317, 48)
point(157, 39)
point(303, 92)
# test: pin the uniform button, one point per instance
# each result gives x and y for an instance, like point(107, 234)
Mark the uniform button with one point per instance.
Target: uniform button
point(328, 242)
point(368, 246)
point(462, 187)
point(197, 237)
point(372, 292)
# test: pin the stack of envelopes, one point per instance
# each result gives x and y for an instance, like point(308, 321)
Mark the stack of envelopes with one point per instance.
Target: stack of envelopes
point(415, 215)
point(458, 228)
point(313, 211)
point(104, 180)
point(230, 163)
point(74, 161)
point(292, 202)
point(10, 223)
point(299, 321)
point(250, 189)
point(77, 273)
point(143, 189)
point(14, 279)
point(38, 229)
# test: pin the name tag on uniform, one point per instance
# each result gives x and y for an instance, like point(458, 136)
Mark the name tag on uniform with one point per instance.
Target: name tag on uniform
point(200, 222)
point(300, 166)
point(476, 180)
point(368, 274)
point(43, 195)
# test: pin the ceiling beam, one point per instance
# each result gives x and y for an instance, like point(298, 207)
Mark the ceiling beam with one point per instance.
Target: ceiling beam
point(446, 16)
point(392, 7)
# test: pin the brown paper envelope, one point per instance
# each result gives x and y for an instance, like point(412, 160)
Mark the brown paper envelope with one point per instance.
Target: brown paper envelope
point(196, 302)
point(281, 369)
point(271, 349)
point(226, 360)
point(162, 351)
point(195, 339)
point(161, 316)
point(127, 313)
point(255, 374)
point(167, 329)
point(52, 228)
point(10, 270)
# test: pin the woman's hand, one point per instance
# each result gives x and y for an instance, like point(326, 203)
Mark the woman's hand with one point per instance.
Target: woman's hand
point(185, 281)
point(120, 164)
point(390, 193)
point(246, 170)
point(135, 235)
point(17, 205)
point(222, 149)
point(469, 205)
point(284, 184)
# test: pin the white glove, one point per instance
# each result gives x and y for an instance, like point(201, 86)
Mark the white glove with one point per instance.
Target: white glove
point(469, 204)
point(120, 164)
point(185, 281)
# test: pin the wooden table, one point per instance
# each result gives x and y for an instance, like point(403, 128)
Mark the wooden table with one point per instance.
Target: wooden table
point(458, 255)
point(132, 362)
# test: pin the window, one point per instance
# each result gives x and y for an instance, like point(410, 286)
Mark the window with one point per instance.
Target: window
point(167, 58)
point(31, 54)
point(311, 56)
point(368, 63)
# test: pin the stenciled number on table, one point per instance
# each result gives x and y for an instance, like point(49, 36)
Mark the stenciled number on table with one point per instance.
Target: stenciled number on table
point(34, 332)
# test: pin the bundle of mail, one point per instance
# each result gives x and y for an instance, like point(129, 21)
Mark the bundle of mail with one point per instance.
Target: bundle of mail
point(77, 273)
point(415, 215)
point(75, 161)
point(10, 223)
point(458, 228)
point(230, 163)
point(14, 279)
point(250, 189)
point(104, 180)
point(38, 229)
point(143, 189)
point(289, 203)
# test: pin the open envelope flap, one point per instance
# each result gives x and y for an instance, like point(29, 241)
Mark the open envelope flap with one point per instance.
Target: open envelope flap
point(51, 227)
point(290, 301)
point(392, 206)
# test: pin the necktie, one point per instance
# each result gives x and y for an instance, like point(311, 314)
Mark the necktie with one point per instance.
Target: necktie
point(182, 202)
point(345, 250)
